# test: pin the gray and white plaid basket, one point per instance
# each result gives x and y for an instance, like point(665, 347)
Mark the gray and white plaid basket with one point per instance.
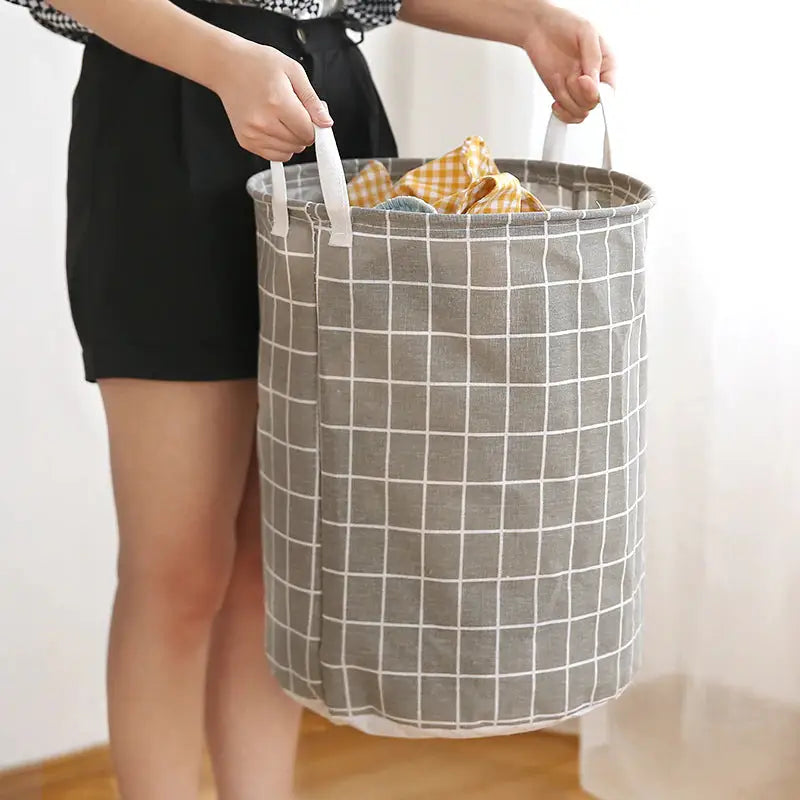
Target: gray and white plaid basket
point(451, 444)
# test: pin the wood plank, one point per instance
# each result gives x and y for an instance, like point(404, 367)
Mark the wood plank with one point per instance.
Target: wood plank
point(341, 764)
point(32, 780)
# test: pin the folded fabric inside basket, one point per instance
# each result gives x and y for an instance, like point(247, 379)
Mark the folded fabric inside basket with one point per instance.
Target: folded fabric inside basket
point(465, 181)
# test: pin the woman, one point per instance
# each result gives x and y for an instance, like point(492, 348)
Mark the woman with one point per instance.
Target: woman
point(178, 103)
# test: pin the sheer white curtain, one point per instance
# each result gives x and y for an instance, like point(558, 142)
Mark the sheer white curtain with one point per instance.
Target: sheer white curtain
point(706, 113)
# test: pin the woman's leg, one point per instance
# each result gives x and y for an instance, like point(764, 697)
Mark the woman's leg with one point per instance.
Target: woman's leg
point(252, 724)
point(180, 454)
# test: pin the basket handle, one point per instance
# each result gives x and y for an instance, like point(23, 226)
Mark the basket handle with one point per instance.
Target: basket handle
point(555, 139)
point(334, 191)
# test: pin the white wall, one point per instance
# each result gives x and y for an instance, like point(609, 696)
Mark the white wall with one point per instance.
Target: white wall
point(57, 538)
point(439, 89)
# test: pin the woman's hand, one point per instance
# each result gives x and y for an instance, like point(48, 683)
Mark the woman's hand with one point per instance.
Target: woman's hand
point(270, 102)
point(567, 51)
point(571, 59)
point(268, 97)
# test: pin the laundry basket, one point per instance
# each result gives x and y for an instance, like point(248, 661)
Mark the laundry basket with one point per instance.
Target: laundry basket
point(451, 446)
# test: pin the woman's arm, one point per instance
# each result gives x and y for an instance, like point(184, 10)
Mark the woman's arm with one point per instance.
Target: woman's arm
point(506, 21)
point(568, 53)
point(159, 32)
point(267, 95)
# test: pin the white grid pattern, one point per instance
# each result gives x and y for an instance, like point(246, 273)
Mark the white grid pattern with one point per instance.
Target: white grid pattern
point(608, 463)
point(475, 537)
point(315, 543)
point(350, 449)
point(425, 476)
point(545, 427)
point(504, 482)
point(385, 543)
point(465, 473)
point(288, 494)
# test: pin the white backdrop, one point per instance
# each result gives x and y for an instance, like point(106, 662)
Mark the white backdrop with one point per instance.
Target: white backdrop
point(705, 109)
point(56, 524)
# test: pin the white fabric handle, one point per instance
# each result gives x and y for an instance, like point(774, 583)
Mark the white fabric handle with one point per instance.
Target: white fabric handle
point(334, 191)
point(555, 139)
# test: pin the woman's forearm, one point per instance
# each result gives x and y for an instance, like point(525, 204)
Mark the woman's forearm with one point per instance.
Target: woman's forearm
point(156, 31)
point(507, 21)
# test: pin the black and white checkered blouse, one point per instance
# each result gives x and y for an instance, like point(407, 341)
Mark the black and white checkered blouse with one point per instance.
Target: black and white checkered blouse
point(369, 13)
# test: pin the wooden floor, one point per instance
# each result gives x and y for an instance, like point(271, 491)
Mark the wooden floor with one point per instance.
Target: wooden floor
point(342, 764)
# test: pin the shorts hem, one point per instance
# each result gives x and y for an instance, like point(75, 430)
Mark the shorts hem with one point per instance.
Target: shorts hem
point(201, 365)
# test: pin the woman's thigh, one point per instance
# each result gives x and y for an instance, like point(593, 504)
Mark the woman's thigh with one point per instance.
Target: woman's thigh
point(180, 455)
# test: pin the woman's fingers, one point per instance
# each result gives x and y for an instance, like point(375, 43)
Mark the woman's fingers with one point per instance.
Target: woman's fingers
point(589, 91)
point(578, 93)
point(584, 92)
point(294, 116)
point(565, 116)
point(271, 103)
point(608, 69)
point(309, 99)
point(277, 143)
point(278, 130)
point(271, 139)
point(591, 51)
point(275, 150)
point(564, 99)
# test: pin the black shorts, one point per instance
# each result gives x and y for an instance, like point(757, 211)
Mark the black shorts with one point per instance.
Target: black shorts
point(161, 255)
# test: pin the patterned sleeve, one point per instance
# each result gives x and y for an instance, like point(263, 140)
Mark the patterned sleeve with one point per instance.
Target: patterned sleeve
point(54, 20)
point(373, 13)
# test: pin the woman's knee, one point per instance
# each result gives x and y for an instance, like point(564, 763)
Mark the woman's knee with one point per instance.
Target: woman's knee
point(182, 584)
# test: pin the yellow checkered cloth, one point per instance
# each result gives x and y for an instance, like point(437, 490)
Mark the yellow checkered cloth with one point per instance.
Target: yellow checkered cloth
point(465, 181)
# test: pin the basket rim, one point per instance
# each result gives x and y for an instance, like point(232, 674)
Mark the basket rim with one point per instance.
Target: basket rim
point(619, 183)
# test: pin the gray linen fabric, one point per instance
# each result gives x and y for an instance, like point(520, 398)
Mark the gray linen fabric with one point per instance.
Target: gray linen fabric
point(451, 434)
